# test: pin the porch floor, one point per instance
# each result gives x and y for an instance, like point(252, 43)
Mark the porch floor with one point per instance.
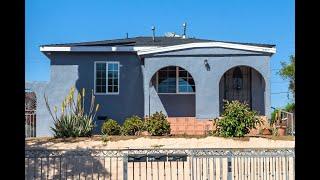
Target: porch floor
point(194, 126)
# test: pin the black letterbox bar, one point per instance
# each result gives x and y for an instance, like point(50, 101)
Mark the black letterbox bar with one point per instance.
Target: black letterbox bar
point(177, 157)
point(156, 157)
point(137, 158)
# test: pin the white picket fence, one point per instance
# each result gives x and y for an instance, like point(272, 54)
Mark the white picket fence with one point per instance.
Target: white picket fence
point(173, 164)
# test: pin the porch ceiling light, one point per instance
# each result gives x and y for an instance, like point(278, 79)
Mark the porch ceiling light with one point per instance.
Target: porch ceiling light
point(207, 65)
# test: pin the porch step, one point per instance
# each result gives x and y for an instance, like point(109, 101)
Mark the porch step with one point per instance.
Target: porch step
point(189, 126)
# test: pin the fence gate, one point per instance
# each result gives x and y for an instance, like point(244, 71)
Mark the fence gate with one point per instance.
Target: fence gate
point(30, 114)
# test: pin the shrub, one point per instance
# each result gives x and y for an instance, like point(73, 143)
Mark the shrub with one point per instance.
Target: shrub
point(290, 107)
point(73, 120)
point(237, 120)
point(110, 127)
point(105, 139)
point(158, 125)
point(132, 125)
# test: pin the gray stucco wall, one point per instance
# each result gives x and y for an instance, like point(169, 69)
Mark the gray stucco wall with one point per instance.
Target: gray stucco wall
point(206, 81)
point(173, 105)
point(258, 92)
point(69, 69)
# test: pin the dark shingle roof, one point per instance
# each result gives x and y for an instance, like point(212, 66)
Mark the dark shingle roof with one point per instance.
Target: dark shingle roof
point(147, 41)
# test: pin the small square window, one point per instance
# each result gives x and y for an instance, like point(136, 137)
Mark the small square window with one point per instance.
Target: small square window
point(110, 67)
point(183, 73)
point(110, 75)
point(115, 82)
point(115, 89)
point(110, 89)
point(115, 67)
point(110, 81)
point(183, 88)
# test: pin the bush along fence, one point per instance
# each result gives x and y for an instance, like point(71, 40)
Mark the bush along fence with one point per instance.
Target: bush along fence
point(224, 164)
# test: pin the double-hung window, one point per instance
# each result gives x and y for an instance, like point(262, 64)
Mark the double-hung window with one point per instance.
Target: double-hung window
point(107, 77)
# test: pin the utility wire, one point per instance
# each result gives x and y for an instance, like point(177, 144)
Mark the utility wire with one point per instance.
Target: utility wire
point(280, 93)
point(279, 82)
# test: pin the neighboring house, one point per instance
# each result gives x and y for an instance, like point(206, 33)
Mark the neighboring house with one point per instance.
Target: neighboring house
point(182, 77)
point(30, 101)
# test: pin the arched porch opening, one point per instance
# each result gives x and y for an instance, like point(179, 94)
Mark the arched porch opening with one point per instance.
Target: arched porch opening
point(245, 84)
point(174, 89)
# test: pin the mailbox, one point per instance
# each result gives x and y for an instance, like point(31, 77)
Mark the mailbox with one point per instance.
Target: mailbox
point(177, 157)
point(137, 158)
point(157, 157)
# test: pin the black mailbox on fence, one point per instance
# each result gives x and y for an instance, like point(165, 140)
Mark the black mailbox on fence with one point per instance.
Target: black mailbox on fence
point(177, 157)
point(157, 157)
point(137, 158)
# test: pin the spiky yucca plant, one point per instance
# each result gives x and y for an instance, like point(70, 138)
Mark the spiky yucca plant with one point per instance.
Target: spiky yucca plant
point(73, 121)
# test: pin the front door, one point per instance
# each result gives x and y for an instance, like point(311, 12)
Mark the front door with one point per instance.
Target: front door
point(237, 85)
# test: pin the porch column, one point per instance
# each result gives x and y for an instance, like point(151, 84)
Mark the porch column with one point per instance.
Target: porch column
point(267, 95)
point(146, 91)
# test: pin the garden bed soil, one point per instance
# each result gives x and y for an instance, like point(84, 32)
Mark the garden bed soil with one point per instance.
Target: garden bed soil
point(137, 142)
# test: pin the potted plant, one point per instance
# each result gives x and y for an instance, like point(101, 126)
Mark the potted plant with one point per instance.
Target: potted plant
point(266, 131)
point(280, 125)
point(281, 130)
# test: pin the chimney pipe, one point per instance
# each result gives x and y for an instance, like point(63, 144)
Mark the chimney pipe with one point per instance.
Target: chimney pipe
point(184, 30)
point(127, 35)
point(153, 31)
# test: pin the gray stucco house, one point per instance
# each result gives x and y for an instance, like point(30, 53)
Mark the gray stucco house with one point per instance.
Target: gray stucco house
point(182, 77)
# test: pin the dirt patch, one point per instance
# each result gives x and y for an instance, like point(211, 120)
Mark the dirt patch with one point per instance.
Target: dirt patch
point(124, 142)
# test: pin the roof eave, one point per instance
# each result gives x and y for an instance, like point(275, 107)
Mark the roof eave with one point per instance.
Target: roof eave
point(144, 50)
point(95, 48)
point(271, 50)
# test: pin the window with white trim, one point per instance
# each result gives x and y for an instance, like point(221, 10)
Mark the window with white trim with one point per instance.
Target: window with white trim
point(174, 80)
point(107, 77)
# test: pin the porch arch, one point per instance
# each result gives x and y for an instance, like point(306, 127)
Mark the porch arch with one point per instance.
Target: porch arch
point(243, 83)
point(173, 91)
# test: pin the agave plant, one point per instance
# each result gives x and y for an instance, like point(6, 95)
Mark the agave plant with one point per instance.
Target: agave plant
point(73, 120)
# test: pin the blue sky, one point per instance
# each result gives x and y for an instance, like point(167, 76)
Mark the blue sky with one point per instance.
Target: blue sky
point(61, 21)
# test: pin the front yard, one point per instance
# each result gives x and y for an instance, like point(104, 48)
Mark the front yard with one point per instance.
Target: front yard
point(137, 142)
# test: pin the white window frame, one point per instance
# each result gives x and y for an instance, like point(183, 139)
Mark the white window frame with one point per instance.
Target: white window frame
point(177, 83)
point(107, 65)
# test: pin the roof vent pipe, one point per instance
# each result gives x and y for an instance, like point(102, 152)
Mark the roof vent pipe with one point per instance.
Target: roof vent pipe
point(184, 30)
point(153, 31)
